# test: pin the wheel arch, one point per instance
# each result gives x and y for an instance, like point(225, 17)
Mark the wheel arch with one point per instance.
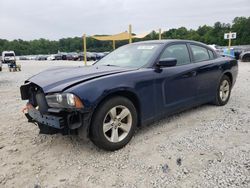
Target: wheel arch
point(123, 93)
point(227, 73)
point(230, 76)
point(244, 56)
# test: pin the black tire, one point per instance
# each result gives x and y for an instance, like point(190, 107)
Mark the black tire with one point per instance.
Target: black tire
point(0, 69)
point(44, 129)
point(97, 134)
point(246, 58)
point(218, 99)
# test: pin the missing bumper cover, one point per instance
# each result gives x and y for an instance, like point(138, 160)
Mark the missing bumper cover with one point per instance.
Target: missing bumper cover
point(49, 120)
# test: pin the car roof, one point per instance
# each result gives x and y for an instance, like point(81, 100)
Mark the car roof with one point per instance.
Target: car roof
point(165, 41)
point(8, 52)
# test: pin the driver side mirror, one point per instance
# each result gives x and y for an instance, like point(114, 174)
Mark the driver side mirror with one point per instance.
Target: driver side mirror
point(167, 62)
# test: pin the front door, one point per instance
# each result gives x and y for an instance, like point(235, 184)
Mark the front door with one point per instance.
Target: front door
point(176, 86)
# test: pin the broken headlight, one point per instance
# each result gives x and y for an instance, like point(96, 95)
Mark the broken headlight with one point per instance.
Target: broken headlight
point(64, 100)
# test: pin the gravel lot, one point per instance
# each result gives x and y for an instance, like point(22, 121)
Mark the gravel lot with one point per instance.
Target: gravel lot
point(207, 146)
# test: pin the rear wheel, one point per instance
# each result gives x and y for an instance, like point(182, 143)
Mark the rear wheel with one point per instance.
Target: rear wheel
point(114, 123)
point(223, 91)
point(246, 58)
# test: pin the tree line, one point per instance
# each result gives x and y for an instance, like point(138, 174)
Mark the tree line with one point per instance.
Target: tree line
point(206, 34)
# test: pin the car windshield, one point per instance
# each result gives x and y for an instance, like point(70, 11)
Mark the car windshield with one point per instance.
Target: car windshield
point(135, 55)
point(9, 55)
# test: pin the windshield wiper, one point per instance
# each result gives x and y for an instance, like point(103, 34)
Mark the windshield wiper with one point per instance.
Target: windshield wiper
point(111, 65)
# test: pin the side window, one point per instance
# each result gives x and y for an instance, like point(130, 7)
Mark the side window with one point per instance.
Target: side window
point(200, 53)
point(178, 51)
point(211, 54)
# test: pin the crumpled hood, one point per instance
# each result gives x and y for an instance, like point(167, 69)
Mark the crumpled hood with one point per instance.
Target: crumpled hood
point(59, 79)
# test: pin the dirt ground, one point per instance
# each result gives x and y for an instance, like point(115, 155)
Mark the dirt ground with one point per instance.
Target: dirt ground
point(207, 146)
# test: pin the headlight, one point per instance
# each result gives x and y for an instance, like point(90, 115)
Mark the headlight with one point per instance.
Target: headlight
point(64, 100)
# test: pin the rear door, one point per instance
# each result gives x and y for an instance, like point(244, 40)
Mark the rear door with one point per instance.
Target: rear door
point(208, 71)
point(176, 86)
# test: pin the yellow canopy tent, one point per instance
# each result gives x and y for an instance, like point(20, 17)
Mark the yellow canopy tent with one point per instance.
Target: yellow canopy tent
point(140, 36)
point(120, 36)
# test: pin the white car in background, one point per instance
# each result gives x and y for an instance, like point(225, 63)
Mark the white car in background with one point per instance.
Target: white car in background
point(51, 58)
point(8, 57)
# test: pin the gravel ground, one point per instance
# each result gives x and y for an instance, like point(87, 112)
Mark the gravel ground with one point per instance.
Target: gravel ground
point(207, 146)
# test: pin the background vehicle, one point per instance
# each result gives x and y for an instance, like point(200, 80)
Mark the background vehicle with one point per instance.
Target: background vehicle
point(75, 56)
point(217, 49)
point(237, 52)
point(245, 56)
point(8, 57)
point(23, 58)
point(58, 57)
point(41, 57)
point(51, 58)
point(90, 56)
point(69, 57)
point(132, 86)
point(64, 56)
point(99, 55)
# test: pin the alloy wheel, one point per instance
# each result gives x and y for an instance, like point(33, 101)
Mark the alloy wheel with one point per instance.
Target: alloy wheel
point(224, 90)
point(117, 123)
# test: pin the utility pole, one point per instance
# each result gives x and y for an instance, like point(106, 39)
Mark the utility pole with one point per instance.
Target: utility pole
point(84, 49)
point(229, 41)
point(113, 44)
point(130, 33)
point(160, 34)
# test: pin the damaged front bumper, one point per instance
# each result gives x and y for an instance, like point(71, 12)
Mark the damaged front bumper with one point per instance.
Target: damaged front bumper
point(33, 115)
point(57, 118)
point(37, 111)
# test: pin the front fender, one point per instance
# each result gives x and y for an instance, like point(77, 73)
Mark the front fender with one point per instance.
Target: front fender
point(140, 84)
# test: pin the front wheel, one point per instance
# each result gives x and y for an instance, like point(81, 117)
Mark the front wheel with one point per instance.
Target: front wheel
point(113, 123)
point(223, 91)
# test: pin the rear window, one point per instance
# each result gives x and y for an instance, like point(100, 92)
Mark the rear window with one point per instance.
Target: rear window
point(200, 53)
point(211, 54)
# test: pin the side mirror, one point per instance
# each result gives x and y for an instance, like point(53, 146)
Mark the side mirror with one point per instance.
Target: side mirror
point(167, 62)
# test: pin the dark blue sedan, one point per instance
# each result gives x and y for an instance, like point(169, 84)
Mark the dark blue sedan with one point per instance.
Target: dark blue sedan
point(132, 86)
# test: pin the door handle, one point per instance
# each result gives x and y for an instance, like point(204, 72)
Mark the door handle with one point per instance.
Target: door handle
point(190, 74)
point(193, 73)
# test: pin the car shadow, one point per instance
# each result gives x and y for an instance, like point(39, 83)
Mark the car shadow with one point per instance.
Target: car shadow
point(172, 118)
point(86, 146)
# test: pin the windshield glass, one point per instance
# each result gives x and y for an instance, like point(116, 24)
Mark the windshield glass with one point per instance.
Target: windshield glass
point(9, 55)
point(136, 55)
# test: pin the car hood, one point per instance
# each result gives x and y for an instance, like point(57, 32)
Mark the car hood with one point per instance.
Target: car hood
point(62, 78)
